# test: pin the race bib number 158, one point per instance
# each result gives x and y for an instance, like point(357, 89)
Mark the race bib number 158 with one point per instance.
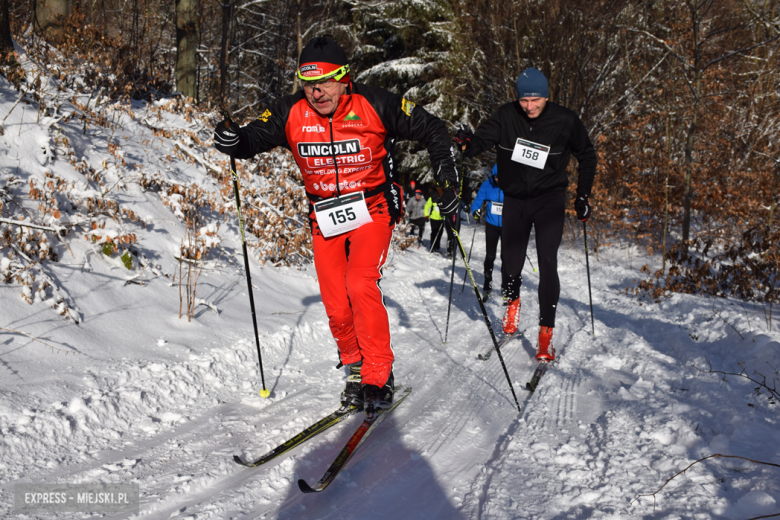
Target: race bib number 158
point(530, 153)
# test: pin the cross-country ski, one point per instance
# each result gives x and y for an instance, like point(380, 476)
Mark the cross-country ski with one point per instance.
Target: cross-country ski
point(305, 435)
point(537, 376)
point(501, 343)
point(352, 445)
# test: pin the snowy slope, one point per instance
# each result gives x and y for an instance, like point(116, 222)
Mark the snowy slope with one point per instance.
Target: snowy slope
point(133, 394)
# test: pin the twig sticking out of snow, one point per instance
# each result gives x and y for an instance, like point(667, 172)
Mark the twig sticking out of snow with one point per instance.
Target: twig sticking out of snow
point(200, 301)
point(774, 395)
point(726, 322)
point(715, 456)
point(39, 341)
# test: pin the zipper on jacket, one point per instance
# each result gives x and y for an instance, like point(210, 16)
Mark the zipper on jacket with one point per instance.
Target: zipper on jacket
point(333, 152)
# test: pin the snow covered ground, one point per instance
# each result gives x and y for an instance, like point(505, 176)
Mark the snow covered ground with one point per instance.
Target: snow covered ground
point(133, 394)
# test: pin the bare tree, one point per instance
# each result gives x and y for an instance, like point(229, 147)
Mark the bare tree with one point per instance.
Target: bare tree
point(6, 41)
point(186, 47)
point(223, 52)
point(700, 36)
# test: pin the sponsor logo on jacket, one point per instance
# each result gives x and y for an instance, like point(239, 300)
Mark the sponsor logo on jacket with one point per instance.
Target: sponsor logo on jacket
point(316, 128)
point(320, 155)
point(342, 185)
point(407, 106)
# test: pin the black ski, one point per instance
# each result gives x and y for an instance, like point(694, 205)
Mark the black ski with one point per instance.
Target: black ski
point(538, 373)
point(305, 435)
point(503, 341)
point(354, 442)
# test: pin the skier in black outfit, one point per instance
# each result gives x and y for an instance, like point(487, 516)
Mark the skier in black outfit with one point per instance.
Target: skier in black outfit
point(534, 140)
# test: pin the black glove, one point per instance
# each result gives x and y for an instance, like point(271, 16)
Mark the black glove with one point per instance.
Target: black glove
point(582, 207)
point(478, 214)
point(448, 203)
point(227, 137)
point(463, 138)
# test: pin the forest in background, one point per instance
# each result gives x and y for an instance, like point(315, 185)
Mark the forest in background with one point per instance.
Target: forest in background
point(680, 98)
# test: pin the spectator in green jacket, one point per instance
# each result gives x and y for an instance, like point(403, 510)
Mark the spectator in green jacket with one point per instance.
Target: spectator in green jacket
point(437, 221)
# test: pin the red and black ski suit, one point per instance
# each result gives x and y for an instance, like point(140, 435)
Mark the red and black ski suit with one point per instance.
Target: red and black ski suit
point(360, 136)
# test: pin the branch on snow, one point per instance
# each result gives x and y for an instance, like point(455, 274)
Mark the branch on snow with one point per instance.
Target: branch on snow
point(774, 394)
point(39, 341)
point(33, 226)
point(715, 456)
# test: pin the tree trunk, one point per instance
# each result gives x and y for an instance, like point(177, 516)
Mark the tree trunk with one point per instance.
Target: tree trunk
point(186, 47)
point(6, 42)
point(666, 185)
point(300, 49)
point(223, 53)
point(697, 67)
point(687, 195)
point(50, 18)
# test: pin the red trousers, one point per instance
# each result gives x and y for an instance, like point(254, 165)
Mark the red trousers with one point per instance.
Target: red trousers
point(348, 269)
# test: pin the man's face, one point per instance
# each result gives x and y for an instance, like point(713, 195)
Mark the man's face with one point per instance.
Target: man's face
point(533, 106)
point(324, 96)
point(417, 196)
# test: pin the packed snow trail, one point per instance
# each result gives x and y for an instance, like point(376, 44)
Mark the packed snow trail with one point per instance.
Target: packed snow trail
point(613, 418)
point(133, 394)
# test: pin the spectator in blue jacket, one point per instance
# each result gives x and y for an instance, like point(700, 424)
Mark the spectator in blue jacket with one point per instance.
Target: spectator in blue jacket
point(491, 194)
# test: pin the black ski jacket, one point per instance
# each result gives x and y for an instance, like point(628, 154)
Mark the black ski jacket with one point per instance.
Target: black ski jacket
point(557, 127)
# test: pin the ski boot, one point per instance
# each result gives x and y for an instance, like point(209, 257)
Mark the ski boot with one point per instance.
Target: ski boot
point(486, 290)
point(352, 396)
point(545, 351)
point(512, 316)
point(376, 399)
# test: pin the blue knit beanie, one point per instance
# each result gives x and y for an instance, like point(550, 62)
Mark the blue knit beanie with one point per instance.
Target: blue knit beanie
point(532, 83)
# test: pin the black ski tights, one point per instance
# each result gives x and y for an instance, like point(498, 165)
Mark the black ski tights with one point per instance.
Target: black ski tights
point(546, 215)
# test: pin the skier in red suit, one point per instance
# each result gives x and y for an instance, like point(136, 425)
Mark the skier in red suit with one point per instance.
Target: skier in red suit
point(342, 135)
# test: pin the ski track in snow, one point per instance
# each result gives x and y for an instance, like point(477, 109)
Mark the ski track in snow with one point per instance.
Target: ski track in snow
point(606, 424)
point(154, 400)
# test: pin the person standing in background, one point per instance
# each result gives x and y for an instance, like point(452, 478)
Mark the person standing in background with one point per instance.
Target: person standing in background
point(415, 210)
point(490, 194)
point(438, 225)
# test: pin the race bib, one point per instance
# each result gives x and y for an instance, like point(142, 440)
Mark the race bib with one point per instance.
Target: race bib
point(496, 208)
point(341, 214)
point(530, 154)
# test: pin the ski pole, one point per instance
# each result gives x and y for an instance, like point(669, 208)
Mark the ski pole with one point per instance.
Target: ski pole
point(530, 262)
point(587, 264)
point(462, 287)
point(264, 392)
point(487, 320)
point(452, 278)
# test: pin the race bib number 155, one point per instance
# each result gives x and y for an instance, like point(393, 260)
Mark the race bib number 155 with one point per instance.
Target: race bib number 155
point(340, 214)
